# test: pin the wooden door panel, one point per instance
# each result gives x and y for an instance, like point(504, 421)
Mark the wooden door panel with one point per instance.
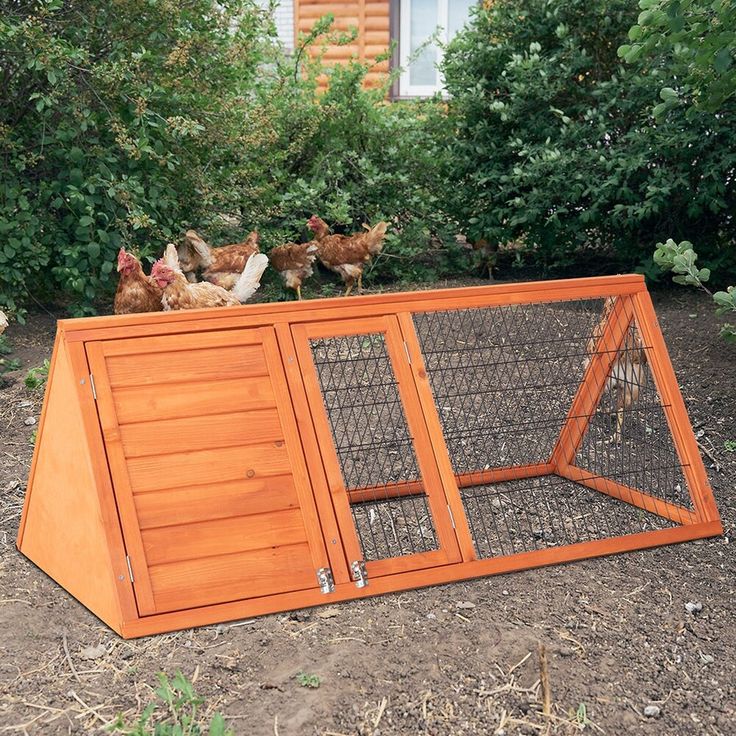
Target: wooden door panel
point(196, 398)
point(208, 475)
point(215, 501)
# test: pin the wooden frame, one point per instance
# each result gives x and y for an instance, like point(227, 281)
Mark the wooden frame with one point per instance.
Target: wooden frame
point(92, 501)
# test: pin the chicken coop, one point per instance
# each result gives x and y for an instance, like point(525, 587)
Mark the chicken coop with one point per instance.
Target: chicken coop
point(202, 466)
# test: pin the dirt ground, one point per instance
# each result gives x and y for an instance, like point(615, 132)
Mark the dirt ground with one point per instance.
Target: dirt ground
point(456, 659)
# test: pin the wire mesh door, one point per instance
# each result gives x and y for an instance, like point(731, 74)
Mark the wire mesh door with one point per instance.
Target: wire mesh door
point(377, 456)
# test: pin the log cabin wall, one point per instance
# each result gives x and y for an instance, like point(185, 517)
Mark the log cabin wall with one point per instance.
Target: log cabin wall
point(372, 18)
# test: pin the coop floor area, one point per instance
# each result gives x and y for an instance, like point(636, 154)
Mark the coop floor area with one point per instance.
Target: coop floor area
point(443, 661)
point(504, 518)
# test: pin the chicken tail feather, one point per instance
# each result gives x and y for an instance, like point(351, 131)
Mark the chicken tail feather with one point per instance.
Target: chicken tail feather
point(249, 281)
point(376, 235)
point(171, 257)
point(200, 248)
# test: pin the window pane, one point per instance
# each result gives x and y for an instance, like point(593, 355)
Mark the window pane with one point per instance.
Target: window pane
point(458, 12)
point(423, 23)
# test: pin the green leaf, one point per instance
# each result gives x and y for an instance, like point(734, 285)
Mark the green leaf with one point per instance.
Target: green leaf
point(85, 221)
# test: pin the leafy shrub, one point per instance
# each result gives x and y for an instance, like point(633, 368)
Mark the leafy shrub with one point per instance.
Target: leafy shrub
point(176, 714)
point(698, 38)
point(556, 148)
point(116, 128)
point(349, 155)
point(128, 122)
point(680, 258)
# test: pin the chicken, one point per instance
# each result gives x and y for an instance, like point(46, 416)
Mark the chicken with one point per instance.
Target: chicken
point(627, 372)
point(294, 263)
point(178, 293)
point(221, 266)
point(136, 292)
point(3, 322)
point(347, 255)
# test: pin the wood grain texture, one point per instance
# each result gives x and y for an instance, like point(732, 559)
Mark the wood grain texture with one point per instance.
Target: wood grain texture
point(203, 432)
point(202, 539)
point(263, 572)
point(193, 399)
point(64, 530)
point(166, 368)
point(181, 469)
point(417, 579)
point(215, 501)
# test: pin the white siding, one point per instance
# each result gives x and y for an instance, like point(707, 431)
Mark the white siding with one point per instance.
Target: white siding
point(283, 16)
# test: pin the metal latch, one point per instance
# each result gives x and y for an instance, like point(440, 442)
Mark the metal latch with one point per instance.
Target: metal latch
point(360, 576)
point(325, 580)
point(92, 384)
point(130, 569)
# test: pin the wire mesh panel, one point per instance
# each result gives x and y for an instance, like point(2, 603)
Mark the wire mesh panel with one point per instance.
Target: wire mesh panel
point(627, 438)
point(547, 511)
point(504, 381)
point(374, 446)
point(503, 378)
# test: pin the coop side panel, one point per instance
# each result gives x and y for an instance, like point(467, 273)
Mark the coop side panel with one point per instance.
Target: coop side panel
point(62, 530)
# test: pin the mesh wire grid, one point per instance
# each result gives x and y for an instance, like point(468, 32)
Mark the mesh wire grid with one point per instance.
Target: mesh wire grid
point(374, 446)
point(503, 380)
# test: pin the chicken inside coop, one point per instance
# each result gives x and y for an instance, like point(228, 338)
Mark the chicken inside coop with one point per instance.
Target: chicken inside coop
point(627, 374)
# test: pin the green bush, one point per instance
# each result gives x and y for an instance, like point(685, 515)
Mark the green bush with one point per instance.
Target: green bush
point(556, 148)
point(128, 122)
point(698, 38)
point(117, 128)
point(350, 156)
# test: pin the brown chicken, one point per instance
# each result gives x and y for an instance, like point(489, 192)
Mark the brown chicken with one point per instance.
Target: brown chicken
point(347, 255)
point(178, 293)
point(136, 292)
point(294, 263)
point(222, 266)
point(627, 372)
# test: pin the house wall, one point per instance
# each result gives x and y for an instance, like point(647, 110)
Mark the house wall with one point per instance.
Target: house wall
point(370, 17)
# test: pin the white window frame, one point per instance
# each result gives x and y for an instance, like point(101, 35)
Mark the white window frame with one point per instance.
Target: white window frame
point(406, 89)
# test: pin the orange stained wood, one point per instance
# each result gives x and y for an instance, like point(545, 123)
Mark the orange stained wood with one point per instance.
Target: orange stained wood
point(203, 482)
point(371, 22)
point(200, 470)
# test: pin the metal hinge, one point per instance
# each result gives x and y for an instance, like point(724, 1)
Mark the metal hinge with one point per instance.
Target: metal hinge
point(408, 357)
point(452, 518)
point(325, 580)
point(360, 576)
point(130, 569)
point(92, 383)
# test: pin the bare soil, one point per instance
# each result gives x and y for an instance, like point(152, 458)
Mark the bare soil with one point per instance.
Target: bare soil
point(456, 659)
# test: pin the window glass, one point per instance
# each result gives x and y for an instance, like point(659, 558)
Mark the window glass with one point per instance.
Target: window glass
point(423, 22)
point(458, 12)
